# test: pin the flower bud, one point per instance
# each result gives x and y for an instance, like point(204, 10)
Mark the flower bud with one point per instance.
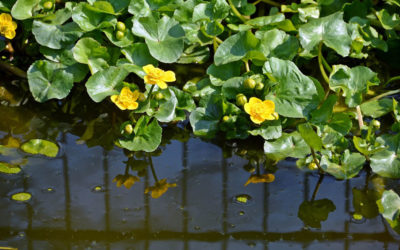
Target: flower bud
point(48, 5)
point(225, 118)
point(159, 96)
point(259, 86)
point(249, 83)
point(121, 26)
point(376, 123)
point(312, 166)
point(241, 99)
point(119, 35)
point(141, 97)
point(128, 129)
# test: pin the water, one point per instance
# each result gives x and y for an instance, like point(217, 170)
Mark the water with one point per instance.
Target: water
point(76, 205)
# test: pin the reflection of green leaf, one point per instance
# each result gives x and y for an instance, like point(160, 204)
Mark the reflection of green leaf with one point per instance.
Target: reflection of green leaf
point(48, 80)
point(147, 136)
point(312, 213)
point(354, 82)
point(364, 202)
point(349, 165)
point(288, 145)
point(8, 168)
point(386, 163)
point(389, 207)
point(163, 37)
point(331, 30)
point(39, 146)
point(296, 95)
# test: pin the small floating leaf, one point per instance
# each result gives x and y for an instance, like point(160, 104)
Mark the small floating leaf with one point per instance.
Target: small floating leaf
point(8, 168)
point(39, 146)
point(21, 196)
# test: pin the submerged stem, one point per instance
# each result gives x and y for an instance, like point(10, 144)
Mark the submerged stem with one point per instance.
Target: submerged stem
point(236, 12)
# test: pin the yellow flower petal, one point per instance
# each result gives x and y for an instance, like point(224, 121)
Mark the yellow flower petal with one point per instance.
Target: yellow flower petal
point(247, 107)
point(132, 106)
point(114, 98)
point(254, 100)
point(256, 120)
point(14, 25)
point(169, 76)
point(162, 84)
point(6, 18)
point(148, 68)
point(135, 95)
point(10, 34)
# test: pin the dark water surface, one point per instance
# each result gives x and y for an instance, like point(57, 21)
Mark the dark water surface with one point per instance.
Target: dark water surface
point(76, 205)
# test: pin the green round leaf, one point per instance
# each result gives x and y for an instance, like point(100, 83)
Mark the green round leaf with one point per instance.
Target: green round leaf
point(39, 146)
point(56, 36)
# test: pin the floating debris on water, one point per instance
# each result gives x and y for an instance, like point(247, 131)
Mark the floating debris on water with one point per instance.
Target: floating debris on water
point(21, 196)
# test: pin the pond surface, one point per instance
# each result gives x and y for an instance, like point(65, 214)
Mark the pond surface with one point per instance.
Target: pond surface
point(76, 203)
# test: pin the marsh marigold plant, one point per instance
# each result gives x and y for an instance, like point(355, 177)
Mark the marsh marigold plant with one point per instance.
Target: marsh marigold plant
point(158, 76)
point(260, 111)
point(126, 99)
point(7, 26)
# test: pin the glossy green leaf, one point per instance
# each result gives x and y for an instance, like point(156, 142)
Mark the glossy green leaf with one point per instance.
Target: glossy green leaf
point(243, 45)
point(365, 148)
point(389, 207)
point(106, 82)
point(56, 36)
point(349, 165)
point(214, 10)
point(331, 30)
point(39, 146)
point(310, 137)
point(139, 8)
point(296, 95)
point(288, 145)
point(324, 113)
point(89, 51)
point(312, 213)
point(24, 9)
point(268, 130)
point(126, 40)
point(354, 82)
point(97, 16)
point(233, 87)
point(386, 163)
point(163, 37)
point(277, 43)
point(48, 80)
point(146, 136)
point(8, 168)
point(388, 21)
point(377, 108)
point(219, 74)
point(139, 54)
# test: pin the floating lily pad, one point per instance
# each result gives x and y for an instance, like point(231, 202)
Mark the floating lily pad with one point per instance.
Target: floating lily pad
point(8, 168)
point(21, 196)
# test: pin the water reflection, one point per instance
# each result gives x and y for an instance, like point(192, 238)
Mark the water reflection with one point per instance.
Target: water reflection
point(202, 211)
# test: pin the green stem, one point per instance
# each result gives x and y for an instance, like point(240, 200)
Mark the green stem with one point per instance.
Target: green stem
point(326, 64)
point(215, 44)
point(321, 177)
point(236, 12)
point(270, 2)
point(316, 160)
point(246, 62)
point(392, 92)
point(151, 91)
point(257, 2)
point(218, 40)
point(392, 80)
point(321, 67)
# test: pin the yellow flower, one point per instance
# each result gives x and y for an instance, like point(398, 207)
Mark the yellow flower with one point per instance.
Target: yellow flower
point(7, 26)
point(158, 76)
point(260, 111)
point(126, 99)
point(260, 179)
point(159, 188)
point(127, 180)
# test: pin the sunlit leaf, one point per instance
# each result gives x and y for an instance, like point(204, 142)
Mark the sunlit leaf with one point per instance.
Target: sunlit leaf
point(39, 146)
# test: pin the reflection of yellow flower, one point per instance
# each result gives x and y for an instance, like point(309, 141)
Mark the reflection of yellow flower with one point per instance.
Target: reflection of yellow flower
point(126, 99)
point(158, 76)
point(260, 111)
point(7, 26)
point(159, 188)
point(260, 179)
point(10, 142)
point(127, 180)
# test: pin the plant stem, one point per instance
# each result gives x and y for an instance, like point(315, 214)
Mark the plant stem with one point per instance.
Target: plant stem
point(359, 117)
point(321, 67)
point(236, 12)
point(392, 92)
point(218, 40)
point(257, 2)
point(270, 2)
point(321, 177)
point(246, 62)
point(316, 160)
point(392, 80)
point(326, 65)
point(13, 69)
point(215, 44)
